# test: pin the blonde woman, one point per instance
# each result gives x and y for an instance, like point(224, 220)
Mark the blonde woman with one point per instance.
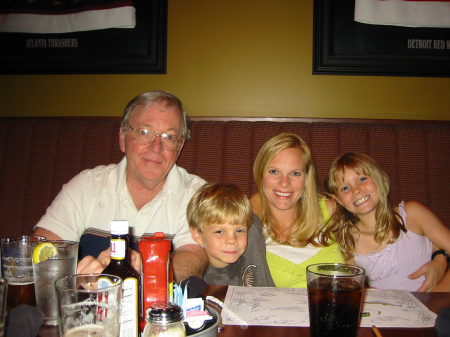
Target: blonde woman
point(291, 210)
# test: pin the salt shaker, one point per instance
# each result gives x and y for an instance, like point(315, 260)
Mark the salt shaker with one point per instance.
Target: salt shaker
point(164, 319)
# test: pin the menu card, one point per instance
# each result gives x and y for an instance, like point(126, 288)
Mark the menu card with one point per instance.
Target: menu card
point(271, 306)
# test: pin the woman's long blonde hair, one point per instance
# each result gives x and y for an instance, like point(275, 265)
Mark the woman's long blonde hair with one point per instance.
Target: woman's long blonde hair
point(342, 222)
point(308, 216)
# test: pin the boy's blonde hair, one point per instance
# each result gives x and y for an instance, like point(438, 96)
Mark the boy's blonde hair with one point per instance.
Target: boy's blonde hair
point(342, 222)
point(219, 203)
point(308, 216)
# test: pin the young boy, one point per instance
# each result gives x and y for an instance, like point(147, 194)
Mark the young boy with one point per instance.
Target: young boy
point(220, 219)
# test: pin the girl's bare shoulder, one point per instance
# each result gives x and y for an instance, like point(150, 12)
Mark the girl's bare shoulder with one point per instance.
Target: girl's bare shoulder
point(331, 205)
point(416, 215)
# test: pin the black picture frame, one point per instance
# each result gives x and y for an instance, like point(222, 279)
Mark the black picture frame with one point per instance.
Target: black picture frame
point(140, 50)
point(345, 47)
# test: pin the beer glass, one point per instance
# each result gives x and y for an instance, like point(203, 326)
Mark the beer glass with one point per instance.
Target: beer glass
point(63, 263)
point(89, 304)
point(3, 294)
point(17, 253)
point(334, 299)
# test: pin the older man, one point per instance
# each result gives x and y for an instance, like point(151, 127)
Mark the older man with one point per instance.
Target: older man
point(146, 188)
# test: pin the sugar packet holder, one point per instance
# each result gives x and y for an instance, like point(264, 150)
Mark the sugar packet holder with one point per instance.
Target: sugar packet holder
point(194, 313)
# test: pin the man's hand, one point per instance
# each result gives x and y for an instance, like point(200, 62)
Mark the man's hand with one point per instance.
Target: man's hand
point(188, 260)
point(135, 259)
point(89, 264)
point(433, 271)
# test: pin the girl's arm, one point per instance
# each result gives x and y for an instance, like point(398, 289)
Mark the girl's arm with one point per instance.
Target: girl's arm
point(424, 222)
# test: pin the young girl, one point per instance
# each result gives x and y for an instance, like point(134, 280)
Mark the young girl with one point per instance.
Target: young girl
point(389, 242)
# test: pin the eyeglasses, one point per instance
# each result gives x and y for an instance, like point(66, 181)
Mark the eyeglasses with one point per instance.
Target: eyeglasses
point(146, 136)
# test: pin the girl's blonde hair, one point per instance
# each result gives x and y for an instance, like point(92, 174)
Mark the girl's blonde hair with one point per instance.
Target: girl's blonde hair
point(342, 222)
point(217, 203)
point(308, 216)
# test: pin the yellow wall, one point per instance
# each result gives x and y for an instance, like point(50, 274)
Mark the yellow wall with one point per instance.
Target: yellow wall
point(235, 58)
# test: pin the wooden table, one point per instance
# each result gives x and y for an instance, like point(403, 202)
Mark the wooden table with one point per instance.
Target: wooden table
point(434, 301)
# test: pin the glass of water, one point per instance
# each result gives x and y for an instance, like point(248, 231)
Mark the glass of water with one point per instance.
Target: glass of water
point(89, 304)
point(60, 260)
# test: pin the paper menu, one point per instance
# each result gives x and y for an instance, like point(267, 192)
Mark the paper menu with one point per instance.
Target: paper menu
point(289, 307)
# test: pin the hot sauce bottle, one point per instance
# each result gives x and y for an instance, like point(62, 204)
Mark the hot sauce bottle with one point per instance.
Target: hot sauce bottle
point(157, 277)
point(120, 266)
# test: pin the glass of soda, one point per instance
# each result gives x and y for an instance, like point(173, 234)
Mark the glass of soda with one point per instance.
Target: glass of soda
point(334, 299)
point(17, 253)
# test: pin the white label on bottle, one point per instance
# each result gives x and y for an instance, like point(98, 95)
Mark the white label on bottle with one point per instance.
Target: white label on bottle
point(129, 317)
point(117, 249)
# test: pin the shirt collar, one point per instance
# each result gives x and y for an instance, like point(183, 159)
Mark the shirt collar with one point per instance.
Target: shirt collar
point(121, 174)
point(173, 181)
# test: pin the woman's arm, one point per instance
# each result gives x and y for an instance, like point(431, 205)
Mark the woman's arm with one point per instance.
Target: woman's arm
point(255, 201)
point(351, 261)
point(434, 272)
point(444, 285)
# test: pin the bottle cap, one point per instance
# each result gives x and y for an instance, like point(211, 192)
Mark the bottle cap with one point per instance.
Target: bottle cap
point(164, 313)
point(119, 227)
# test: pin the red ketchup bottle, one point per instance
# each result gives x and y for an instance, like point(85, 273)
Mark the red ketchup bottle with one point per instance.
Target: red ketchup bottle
point(157, 278)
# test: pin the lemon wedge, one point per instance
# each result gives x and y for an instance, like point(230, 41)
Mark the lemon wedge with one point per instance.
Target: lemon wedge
point(44, 251)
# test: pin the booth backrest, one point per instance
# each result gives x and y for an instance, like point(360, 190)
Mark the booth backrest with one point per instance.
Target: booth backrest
point(39, 155)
